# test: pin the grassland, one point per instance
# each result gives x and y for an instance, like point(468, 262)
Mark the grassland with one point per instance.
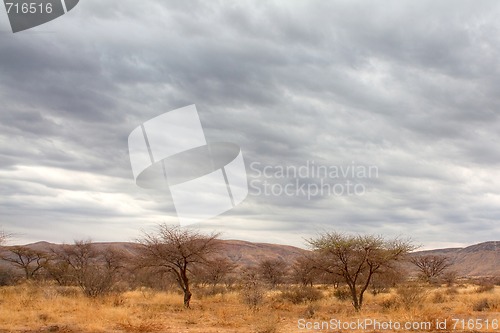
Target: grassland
point(50, 308)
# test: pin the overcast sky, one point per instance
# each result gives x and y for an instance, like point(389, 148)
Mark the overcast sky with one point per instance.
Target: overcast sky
point(410, 88)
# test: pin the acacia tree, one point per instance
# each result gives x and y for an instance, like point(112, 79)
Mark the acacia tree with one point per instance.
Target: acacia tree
point(357, 258)
point(431, 266)
point(272, 271)
point(176, 251)
point(28, 260)
point(73, 260)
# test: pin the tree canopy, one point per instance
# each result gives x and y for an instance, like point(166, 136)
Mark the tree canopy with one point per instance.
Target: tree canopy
point(357, 258)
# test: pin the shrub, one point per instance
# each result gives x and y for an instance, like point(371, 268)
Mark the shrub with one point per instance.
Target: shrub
point(389, 303)
point(252, 294)
point(481, 305)
point(67, 291)
point(411, 295)
point(485, 287)
point(438, 298)
point(267, 325)
point(253, 297)
point(96, 281)
point(7, 277)
point(342, 293)
point(302, 295)
point(452, 291)
point(252, 291)
point(450, 277)
point(210, 291)
point(309, 311)
point(496, 281)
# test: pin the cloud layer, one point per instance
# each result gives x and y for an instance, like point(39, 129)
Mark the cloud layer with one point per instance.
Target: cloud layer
point(408, 87)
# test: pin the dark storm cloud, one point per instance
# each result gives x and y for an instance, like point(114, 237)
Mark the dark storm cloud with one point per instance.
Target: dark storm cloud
point(410, 87)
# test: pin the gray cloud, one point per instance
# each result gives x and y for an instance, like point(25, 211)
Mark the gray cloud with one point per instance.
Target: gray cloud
point(408, 87)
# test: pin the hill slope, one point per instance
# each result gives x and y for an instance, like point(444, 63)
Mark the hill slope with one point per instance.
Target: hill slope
point(240, 252)
point(476, 260)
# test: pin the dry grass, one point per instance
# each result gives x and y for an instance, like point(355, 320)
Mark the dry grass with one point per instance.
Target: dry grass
point(32, 308)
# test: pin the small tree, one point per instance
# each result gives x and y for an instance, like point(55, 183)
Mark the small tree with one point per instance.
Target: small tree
point(92, 270)
point(357, 259)
point(449, 277)
point(272, 271)
point(215, 271)
point(252, 292)
point(176, 251)
point(59, 271)
point(430, 266)
point(304, 271)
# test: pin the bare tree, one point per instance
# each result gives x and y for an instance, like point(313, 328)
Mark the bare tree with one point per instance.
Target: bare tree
point(59, 271)
point(215, 271)
point(75, 258)
point(6, 274)
point(252, 292)
point(176, 251)
point(357, 259)
point(449, 277)
point(272, 271)
point(92, 270)
point(431, 266)
point(304, 271)
point(28, 260)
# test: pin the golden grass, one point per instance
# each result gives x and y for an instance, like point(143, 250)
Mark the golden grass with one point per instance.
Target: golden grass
point(48, 308)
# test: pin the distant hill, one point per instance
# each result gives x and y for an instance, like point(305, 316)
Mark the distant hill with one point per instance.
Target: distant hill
point(240, 252)
point(247, 253)
point(476, 260)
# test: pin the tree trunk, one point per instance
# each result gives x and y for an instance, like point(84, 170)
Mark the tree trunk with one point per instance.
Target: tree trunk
point(187, 297)
point(365, 287)
point(354, 296)
point(184, 282)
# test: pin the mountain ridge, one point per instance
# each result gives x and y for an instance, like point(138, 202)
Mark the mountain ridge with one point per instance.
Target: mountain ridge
point(482, 259)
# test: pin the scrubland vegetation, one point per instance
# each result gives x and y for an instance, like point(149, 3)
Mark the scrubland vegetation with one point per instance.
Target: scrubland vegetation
point(177, 281)
point(46, 307)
